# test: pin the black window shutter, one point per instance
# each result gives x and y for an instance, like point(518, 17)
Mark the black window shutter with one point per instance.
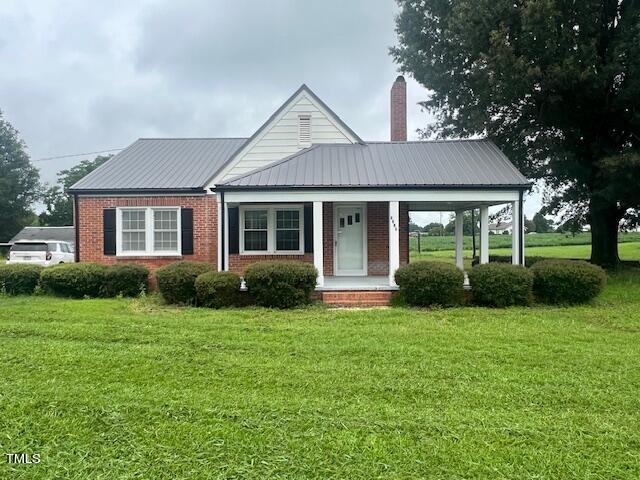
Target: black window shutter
point(186, 223)
point(109, 231)
point(308, 229)
point(234, 230)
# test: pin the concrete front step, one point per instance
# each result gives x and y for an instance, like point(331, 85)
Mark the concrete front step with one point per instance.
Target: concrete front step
point(359, 298)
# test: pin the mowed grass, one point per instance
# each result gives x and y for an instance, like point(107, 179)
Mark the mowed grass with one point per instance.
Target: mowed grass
point(131, 389)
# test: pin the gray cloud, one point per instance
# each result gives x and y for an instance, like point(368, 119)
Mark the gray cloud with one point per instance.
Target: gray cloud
point(82, 76)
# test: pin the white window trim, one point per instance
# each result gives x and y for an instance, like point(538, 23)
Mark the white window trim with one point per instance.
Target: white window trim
point(271, 229)
point(148, 218)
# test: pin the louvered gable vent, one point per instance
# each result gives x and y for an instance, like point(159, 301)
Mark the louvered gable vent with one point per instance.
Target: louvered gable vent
point(304, 130)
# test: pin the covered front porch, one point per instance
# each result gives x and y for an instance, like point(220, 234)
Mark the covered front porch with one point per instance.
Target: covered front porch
point(356, 238)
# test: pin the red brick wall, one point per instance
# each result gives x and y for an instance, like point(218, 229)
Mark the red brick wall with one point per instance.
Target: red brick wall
point(404, 233)
point(378, 238)
point(327, 241)
point(238, 263)
point(205, 225)
point(205, 234)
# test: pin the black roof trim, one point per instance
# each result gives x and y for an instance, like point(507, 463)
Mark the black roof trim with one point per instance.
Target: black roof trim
point(236, 188)
point(138, 191)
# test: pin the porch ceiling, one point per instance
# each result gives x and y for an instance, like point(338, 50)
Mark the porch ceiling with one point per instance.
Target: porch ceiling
point(449, 206)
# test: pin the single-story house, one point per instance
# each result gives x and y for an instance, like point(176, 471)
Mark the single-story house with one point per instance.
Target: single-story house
point(304, 186)
point(62, 234)
point(501, 227)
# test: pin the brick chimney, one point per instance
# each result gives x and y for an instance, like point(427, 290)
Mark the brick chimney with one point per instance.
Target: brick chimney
point(399, 110)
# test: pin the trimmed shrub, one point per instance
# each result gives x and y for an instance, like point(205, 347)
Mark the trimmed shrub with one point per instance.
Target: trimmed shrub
point(19, 279)
point(75, 280)
point(567, 281)
point(218, 289)
point(501, 285)
point(176, 281)
point(281, 284)
point(426, 284)
point(126, 279)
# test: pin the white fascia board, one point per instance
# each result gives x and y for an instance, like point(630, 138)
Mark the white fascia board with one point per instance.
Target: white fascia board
point(485, 196)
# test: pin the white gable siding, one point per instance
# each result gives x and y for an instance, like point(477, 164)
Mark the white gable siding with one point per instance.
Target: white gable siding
point(280, 139)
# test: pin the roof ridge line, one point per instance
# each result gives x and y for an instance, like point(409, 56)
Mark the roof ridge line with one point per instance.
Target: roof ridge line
point(192, 138)
point(444, 140)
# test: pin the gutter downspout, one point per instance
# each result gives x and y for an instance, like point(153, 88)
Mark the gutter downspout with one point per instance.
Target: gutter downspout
point(222, 233)
point(76, 226)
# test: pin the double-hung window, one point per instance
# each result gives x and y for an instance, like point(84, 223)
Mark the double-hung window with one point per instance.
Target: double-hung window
point(272, 229)
point(148, 231)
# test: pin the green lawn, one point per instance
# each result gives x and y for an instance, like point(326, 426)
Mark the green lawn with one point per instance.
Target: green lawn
point(131, 389)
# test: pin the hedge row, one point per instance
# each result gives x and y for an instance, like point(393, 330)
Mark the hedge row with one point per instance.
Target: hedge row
point(287, 284)
point(275, 284)
point(75, 280)
point(499, 284)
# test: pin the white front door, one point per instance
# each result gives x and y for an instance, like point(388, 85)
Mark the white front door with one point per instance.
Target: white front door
point(350, 229)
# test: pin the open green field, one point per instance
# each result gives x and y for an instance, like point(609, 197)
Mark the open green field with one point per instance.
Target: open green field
point(628, 251)
point(132, 389)
point(428, 243)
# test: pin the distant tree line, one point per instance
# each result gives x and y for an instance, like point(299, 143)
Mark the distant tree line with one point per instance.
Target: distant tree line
point(539, 224)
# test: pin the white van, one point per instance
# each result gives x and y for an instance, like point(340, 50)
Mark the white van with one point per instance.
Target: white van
point(41, 252)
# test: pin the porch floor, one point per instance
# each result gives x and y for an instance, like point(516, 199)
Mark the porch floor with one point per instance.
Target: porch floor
point(356, 283)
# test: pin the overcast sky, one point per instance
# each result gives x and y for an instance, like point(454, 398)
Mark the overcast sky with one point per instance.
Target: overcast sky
point(80, 76)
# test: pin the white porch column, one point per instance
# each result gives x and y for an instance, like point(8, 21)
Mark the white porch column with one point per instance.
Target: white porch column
point(459, 232)
point(226, 237)
point(484, 234)
point(515, 232)
point(318, 247)
point(394, 240)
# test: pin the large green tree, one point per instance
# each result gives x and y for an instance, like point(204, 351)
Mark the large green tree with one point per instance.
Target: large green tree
point(555, 83)
point(19, 182)
point(58, 201)
point(542, 225)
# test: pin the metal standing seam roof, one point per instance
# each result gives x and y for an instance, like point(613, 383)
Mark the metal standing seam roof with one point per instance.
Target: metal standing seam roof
point(449, 163)
point(161, 164)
